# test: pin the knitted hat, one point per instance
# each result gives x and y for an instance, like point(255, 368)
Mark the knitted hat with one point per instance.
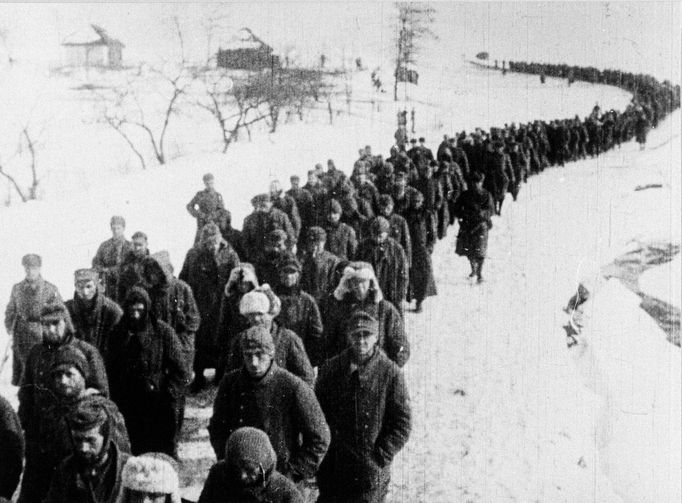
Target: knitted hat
point(335, 207)
point(52, 313)
point(31, 260)
point(85, 275)
point(88, 414)
point(117, 220)
point(378, 226)
point(153, 473)
point(362, 322)
point(254, 302)
point(250, 444)
point(317, 234)
point(68, 355)
point(257, 337)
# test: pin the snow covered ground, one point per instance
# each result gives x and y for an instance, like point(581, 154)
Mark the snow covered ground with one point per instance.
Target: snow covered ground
point(502, 410)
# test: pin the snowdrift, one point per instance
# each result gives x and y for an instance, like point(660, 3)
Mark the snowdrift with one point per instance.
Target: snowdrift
point(626, 360)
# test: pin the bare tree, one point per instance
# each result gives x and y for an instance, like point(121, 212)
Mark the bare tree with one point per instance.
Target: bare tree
point(25, 157)
point(414, 20)
point(140, 115)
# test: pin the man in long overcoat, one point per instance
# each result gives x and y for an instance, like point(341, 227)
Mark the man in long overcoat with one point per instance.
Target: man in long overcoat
point(206, 206)
point(423, 236)
point(206, 270)
point(148, 375)
point(474, 210)
point(365, 400)
point(22, 316)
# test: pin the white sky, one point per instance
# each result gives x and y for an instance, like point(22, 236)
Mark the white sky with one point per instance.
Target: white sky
point(639, 36)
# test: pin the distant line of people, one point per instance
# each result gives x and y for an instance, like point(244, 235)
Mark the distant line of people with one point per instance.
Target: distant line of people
point(300, 313)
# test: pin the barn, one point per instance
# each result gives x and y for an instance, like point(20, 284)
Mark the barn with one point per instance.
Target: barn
point(92, 46)
point(245, 51)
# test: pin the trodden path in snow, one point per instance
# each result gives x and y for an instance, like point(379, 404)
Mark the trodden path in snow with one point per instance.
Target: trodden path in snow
point(499, 411)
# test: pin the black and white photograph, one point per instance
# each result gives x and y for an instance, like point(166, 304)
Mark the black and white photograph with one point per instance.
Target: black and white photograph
point(341, 252)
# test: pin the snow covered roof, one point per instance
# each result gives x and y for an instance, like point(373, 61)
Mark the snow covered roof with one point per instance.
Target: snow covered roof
point(244, 39)
point(93, 35)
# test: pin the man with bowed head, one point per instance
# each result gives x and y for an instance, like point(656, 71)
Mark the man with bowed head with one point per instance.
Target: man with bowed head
point(248, 473)
point(365, 400)
point(22, 316)
point(263, 395)
point(93, 471)
point(49, 438)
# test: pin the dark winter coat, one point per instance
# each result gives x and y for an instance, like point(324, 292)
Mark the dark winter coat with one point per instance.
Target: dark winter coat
point(474, 210)
point(317, 272)
point(301, 315)
point(107, 262)
point(340, 308)
point(206, 207)
point(402, 202)
point(519, 163)
point(499, 174)
point(276, 488)
point(94, 324)
point(423, 234)
point(287, 204)
point(400, 233)
point(69, 485)
point(22, 319)
point(290, 354)
point(53, 443)
point(258, 225)
point(267, 264)
point(390, 266)
point(341, 240)
point(11, 449)
point(368, 412)
point(207, 273)
point(281, 405)
point(319, 195)
point(306, 209)
point(131, 273)
point(173, 302)
point(148, 376)
point(34, 392)
point(231, 323)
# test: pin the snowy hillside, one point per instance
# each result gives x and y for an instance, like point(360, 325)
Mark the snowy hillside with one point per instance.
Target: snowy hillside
point(502, 409)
